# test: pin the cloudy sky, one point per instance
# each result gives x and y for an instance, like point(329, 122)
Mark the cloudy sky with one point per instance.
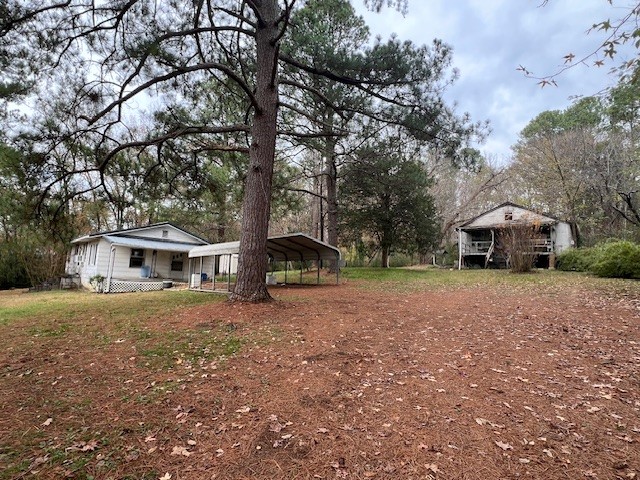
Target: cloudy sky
point(490, 38)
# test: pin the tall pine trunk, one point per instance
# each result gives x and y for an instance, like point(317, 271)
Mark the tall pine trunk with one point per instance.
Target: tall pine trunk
point(331, 177)
point(256, 205)
point(332, 206)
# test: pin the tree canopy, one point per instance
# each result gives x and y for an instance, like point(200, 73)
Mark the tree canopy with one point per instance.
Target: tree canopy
point(93, 67)
point(581, 163)
point(386, 199)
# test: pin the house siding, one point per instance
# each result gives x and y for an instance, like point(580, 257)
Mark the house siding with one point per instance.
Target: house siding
point(497, 217)
point(173, 234)
point(93, 256)
point(86, 263)
point(564, 237)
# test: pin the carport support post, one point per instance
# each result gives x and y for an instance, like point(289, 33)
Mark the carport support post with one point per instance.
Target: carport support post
point(213, 275)
point(301, 267)
point(460, 247)
point(286, 268)
point(200, 284)
point(318, 265)
point(229, 275)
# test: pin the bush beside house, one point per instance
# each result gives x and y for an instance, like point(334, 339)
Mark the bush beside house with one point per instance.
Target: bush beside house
point(614, 259)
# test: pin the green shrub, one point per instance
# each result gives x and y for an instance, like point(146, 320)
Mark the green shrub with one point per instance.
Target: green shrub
point(620, 259)
point(577, 259)
point(402, 260)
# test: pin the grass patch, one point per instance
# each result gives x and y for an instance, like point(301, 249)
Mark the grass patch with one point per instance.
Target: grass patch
point(168, 349)
point(156, 392)
point(414, 279)
point(68, 305)
point(53, 331)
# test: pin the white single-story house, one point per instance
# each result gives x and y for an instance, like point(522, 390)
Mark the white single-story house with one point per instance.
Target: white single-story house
point(479, 238)
point(132, 259)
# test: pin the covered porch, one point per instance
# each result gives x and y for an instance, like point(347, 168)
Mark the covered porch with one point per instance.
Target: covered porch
point(482, 247)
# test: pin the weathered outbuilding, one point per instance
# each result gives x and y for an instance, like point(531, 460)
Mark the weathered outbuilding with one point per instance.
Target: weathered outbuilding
point(479, 239)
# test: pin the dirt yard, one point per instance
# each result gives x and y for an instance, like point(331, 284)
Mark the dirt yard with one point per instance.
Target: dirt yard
point(357, 381)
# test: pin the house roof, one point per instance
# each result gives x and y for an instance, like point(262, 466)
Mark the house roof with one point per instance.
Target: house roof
point(550, 219)
point(291, 247)
point(128, 231)
point(148, 243)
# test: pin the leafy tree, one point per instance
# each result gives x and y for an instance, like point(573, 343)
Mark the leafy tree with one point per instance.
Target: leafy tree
point(97, 63)
point(107, 54)
point(402, 85)
point(385, 196)
point(553, 156)
point(32, 249)
point(581, 164)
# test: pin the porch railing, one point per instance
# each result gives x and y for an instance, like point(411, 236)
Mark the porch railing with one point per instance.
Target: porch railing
point(480, 246)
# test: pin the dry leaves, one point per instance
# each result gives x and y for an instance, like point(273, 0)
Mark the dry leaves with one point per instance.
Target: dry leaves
point(177, 450)
point(503, 445)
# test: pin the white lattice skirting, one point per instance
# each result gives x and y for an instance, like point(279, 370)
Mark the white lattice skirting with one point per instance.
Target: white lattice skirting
point(123, 286)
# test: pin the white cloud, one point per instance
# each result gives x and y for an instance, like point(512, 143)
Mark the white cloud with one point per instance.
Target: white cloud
point(491, 38)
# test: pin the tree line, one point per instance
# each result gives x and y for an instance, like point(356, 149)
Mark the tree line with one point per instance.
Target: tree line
point(237, 118)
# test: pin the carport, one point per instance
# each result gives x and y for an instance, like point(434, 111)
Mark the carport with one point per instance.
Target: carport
point(205, 261)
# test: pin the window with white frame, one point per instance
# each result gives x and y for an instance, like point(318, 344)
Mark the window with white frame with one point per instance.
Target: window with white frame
point(93, 253)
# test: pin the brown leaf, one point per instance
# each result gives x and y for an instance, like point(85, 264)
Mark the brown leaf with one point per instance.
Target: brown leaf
point(181, 451)
point(503, 445)
point(433, 467)
point(90, 446)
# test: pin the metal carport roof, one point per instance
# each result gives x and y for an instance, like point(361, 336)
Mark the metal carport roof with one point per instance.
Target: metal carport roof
point(290, 247)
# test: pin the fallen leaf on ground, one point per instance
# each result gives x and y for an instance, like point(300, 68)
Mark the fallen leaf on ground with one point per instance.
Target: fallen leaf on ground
point(503, 445)
point(181, 451)
point(433, 467)
point(90, 446)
